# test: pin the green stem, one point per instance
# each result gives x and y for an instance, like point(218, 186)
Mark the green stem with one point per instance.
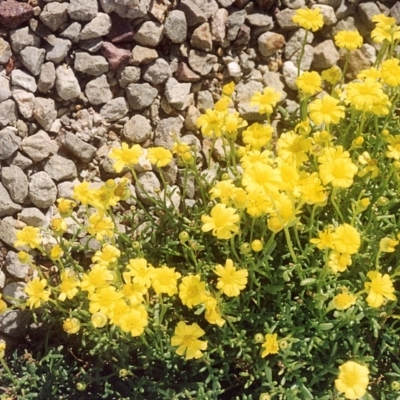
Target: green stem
point(335, 205)
point(290, 245)
point(9, 373)
point(302, 50)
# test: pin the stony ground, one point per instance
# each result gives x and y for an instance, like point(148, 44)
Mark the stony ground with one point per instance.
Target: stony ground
point(78, 77)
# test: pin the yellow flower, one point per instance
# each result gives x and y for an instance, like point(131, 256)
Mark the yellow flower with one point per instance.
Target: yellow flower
point(24, 257)
point(333, 75)
point(309, 82)
point(142, 273)
point(165, 280)
point(370, 165)
point(257, 245)
point(28, 236)
point(344, 300)
point(257, 135)
point(378, 289)
point(338, 262)
point(270, 345)
point(363, 95)
point(326, 111)
point(210, 123)
point(187, 338)
point(265, 101)
point(192, 290)
point(349, 40)
point(213, 314)
point(385, 32)
point(58, 225)
point(108, 255)
point(125, 156)
point(71, 325)
point(232, 124)
point(390, 72)
point(228, 89)
point(82, 193)
point(222, 221)
point(336, 167)
point(223, 190)
point(104, 299)
point(311, 189)
point(37, 293)
point(325, 239)
point(100, 226)
point(387, 245)
point(309, 19)
point(382, 19)
point(352, 380)
point(231, 281)
point(99, 319)
point(346, 239)
point(293, 148)
point(3, 305)
point(69, 285)
point(370, 72)
point(393, 147)
point(2, 350)
point(65, 207)
point(159, 156)
point(100, 276)
point(134, 321)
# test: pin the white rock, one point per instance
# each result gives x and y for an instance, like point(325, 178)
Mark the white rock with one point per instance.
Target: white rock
point(67, 84)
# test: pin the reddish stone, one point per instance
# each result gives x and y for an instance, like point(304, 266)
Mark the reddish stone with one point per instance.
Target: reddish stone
point(121, 30)
point(13, 13)
point(185, 74)
point(115, 56)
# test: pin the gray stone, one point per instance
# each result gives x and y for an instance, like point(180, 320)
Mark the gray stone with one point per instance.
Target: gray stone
point(274, 80)
point(80, 149)
point(270, 42)
point(366, 11)
point(92, 45)
point(147, 187)
point(97, 27)
point(126, 8)
point(325, 55)
point(14, 322)
point(175, 26)
point(218, 25)
point(66, 189)
point(394, 12)
point(25, 101)
point(32, 59)
point(307, 58)
point(244, 93)
point(2, 277)
point(47, 77)
point(177, 94)
point(42, 190)
point(259, 20)
point(209, 7)
point(114, 109)
point(284, 19)
point(16, 182)
point(158, 72)
point(5, 51)
point(5, 92)
point(128, 75)
point(9, 143)
point(142, 55)
point(192, 114)
point(83, 10)
point(369, 52)
point(19, 160)
point(91, 65)
point(58, 49)
point(140, 95)
point(332, 3)
point(201, 37)
point(98, 90)
point(72, 32)
point(7, 231)
point(8, 113)
point(14, 267)
point(7, 205)
point(168, 131)
point(194, 14)
point(60, 168)
point(67, 84)
point(204, 100)
point(39, 146)
point(138, 129)
point(32, 216)
point(21, 38)
point(234, 22)
point(328, 13)
point(289, 72)
point(201, 62)
point(54, 15)
point(149, 34)
point(294, 44)
point(24, 80)
point(295, 4)
point(44, 111)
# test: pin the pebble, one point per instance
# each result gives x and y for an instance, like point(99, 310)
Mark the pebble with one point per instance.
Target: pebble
point(9, 142)
point(114, 109)
point(138, 129)
point(14, 267)
point(91, 65)
point(44, 112)
point(5, 51)
point(97, 27)
point(60, 168)
point(177, 94)
point(47, 77)
point(325, 55)
point(158, 72)
point(16, 182)
point(32, 59)
point(270, 42)
point(54, 15)
point(23, 37)
point(149, 34)
point(83, 10)
point(98, 90)
point(5, 91)
point(167, 132)
point(24, 80)
point(7, 205)
point(142, 55)
point(67, 84)
point(14, 322)
point(175, 26)
point(32, 216)
point(8, 113)
point(140, 95)
point(13, 13)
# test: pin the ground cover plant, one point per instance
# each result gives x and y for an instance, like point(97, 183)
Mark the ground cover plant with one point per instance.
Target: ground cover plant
point(278, 280)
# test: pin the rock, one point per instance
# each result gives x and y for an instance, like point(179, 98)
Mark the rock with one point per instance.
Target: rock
point(140, 95)
point(194, 15)
point(128, 75)
point(91, 45)
point(269, 43)
point(121, 31)
point(126, 8)
point(44, 111)
point(273, 80)
point(32, 59)
point(201, 62)
point(7, 231)
point(259, 20)
point(244, 92)
point(294, 44)
point(24, 80)
point(201, 37)
point(79, 148)
point(83, 10)
point(234, 22)
point(149, 34)
point(114, 109)
point(138, 129)
point(369, 52)
point(72, 32)
point(185, 74)
point(25, 101)
point(295, 4)
point(218, 25)
point(5, 51)
point(60, 168)
point(8, 113)
point(66, 189)
point(91, 65)
point(307, 59)
point(67, 84)
point(14, 292)
point(158, 72)
point(147, 187)
point(159, 9)
point(204, 100)
point(366, 11)
point(40, 29)
point(14, 13)
point(23, 37)
point(175, 26)
point(328, 14)
point(177, 94)
point(54, 15)
point(9, 142)
point(284, 19)
point(97, 27)
point(325, 55)
point(98, 90)
point(142, 55)
point(19, 160)
point(42, 190)
point(14, 267)
point(243, 36)
point(57, 50)
point(33, 217)
point(191, 117)
point(395, 12)
point(7, 205)
point(16, 182)
point(357, 63)
point(289, 72)
point(39, 146)
point(332, 3)
point(47, 77)
point(116, 57)
point(14, 322)
point(5, 92)
point(168, 131)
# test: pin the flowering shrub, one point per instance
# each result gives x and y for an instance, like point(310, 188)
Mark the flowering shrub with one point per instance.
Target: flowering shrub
point(277, 281)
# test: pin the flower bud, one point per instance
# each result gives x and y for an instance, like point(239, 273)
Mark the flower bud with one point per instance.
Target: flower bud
point(264, 396)
point(257, 245)
point(283, 344)
point(123, 373)
point(259, 338)
point(184, 236)
point(395, 385)
point(225, 176)
point(245, 248)
point(385, 133)
point(136, 246)
point(382, 201)
point(358, 141)
point(81, 386)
